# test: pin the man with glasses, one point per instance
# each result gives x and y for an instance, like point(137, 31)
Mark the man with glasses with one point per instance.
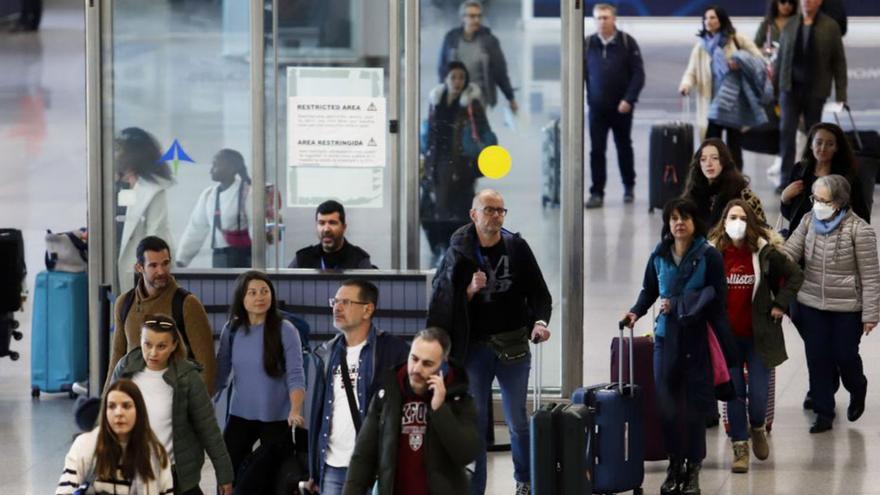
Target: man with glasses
point(490, 295)
point(478, 49)
point(349, 368)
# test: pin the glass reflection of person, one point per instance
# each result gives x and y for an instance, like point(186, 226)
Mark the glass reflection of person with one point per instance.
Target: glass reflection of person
point(221, 215)
point(142, 201)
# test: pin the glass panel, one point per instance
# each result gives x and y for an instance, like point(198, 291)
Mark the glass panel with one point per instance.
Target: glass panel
point(177, 93)
point(330, 144)
point(531, 50)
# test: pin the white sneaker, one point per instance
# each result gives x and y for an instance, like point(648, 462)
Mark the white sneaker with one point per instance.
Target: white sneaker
point(776, 168)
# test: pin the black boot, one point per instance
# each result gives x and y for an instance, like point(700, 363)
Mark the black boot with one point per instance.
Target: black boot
point(673, 477)
point(691, 483)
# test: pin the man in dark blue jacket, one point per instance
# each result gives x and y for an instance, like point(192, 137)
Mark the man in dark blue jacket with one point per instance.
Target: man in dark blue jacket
point(363, 353)
point(478, 49)
point(614, 75)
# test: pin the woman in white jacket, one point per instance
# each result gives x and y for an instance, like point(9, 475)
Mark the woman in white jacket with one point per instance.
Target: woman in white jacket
point(121, 455)
point(144, 179)
point(221, 215)
point(710, 61)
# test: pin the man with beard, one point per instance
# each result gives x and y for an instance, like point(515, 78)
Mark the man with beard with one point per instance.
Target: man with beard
point(157, 292)
point(422, 425)
point(334, 252)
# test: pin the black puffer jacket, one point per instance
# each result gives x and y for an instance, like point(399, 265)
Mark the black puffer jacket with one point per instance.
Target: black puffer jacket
point(451, 440)
point(449, 303)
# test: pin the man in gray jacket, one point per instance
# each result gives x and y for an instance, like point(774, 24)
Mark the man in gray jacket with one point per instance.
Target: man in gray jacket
point(811, 55)
point(479, 50)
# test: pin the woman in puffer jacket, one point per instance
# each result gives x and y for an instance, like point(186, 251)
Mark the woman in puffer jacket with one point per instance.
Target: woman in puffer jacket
point(838, 301)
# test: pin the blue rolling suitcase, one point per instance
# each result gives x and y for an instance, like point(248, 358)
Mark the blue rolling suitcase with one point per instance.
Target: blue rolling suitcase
point(60, 341)
point(617, 446)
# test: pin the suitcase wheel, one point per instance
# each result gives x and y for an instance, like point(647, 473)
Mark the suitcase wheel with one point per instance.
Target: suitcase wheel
point(35, 392)
point(17, 335)
point(13, 324)
point(13, 355)
point(638, 491)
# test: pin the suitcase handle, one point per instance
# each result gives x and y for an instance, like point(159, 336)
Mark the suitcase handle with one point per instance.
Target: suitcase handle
point(621, 325)
point(852, 121)
point(536, 391)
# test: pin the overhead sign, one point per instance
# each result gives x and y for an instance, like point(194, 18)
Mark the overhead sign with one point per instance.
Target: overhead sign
point(336, 131)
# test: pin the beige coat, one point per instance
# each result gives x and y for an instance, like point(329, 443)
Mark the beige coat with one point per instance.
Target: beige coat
point(842, 273)
point(698, 75)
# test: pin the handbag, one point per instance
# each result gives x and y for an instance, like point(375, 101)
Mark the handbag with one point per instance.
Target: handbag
point(472, 140)
point(511, 347)
point(724, 389)
point(67, 251)
point(238, 238)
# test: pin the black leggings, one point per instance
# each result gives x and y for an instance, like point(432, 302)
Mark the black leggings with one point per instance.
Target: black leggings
point(241, 435)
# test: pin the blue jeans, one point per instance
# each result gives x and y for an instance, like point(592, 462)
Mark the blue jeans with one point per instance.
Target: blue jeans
point(334, 480)
point(757, 393)
point(684, 434)
point(483, 367)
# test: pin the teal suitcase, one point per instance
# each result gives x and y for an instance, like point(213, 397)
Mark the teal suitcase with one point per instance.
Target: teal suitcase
point(60, 332)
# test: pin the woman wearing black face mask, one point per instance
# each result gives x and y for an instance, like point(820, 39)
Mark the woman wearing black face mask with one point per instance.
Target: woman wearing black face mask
point(761, 282)
point(840, 297)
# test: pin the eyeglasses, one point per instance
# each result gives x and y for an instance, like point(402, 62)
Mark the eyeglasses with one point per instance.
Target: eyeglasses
point(344, 302)
point(473, 16)
point(489, 210)
point(814, 200)
point(157, 323)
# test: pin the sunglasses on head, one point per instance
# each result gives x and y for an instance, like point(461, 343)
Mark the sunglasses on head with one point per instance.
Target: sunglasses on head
point(157, 323)
point(790, 2)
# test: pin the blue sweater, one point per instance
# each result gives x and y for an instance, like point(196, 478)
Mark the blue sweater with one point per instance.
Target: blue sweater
point(256, 395)
point(614, 72)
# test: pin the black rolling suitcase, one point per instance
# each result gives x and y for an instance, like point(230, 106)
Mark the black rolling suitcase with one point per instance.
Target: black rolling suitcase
point(558, 443)
point(866, 148)
point(12, 272)
point(672, 146)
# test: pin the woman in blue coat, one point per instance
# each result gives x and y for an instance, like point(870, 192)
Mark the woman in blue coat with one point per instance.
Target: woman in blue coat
point(687, 274)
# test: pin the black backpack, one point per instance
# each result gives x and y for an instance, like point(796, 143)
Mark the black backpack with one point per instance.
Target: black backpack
point(176, 313)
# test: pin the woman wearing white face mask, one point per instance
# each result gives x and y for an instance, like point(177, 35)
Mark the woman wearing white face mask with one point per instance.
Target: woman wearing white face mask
point(761, 282)
point(840, 297)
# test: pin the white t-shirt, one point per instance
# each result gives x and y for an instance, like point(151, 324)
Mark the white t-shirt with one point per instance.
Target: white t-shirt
point(159, 398)
point(340, 447)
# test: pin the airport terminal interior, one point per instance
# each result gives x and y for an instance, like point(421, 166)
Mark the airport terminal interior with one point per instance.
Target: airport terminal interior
point(182, 69)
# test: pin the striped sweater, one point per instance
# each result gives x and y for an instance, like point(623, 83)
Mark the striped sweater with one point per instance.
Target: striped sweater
point(78, 466)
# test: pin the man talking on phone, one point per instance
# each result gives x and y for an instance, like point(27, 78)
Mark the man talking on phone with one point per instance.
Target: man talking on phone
point(421, 426)
point(490, 295)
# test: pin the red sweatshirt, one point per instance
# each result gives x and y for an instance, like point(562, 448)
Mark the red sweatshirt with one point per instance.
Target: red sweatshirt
point(740, 275)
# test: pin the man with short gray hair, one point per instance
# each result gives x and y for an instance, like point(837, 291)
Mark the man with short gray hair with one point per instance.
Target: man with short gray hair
point(490, 295)
point(478, 49)
point(614, 75)
point(422, 425)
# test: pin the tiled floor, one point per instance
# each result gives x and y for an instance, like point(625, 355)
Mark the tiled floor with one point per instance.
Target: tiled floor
point(42, 185)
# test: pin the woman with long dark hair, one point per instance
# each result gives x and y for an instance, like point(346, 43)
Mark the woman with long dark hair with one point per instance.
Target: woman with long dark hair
point(221, 215)
point(761, 282)
point(779, 12)
point(449, 179)
point(142, 202)
point(121, 455)
point(710, 62)
point(714, 180)
point(264, 354)
point(827, 152)
point(180, 409)
point(682, 266)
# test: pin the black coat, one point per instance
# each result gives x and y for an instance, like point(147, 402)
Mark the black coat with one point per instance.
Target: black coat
point(351, 257)
point(800, 205)
point(451, 440)
point(449, 303)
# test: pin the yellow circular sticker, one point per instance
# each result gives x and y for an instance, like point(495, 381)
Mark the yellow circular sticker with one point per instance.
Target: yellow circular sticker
point(494, 162)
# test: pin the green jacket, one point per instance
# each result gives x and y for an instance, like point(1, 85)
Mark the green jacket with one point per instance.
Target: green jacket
point(777, 281)
point(829, 58)
point(195, 427)
point(451, 441)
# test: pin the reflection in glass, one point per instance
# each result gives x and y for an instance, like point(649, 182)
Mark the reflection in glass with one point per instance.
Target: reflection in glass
point(142, 204)
point(220, 215)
